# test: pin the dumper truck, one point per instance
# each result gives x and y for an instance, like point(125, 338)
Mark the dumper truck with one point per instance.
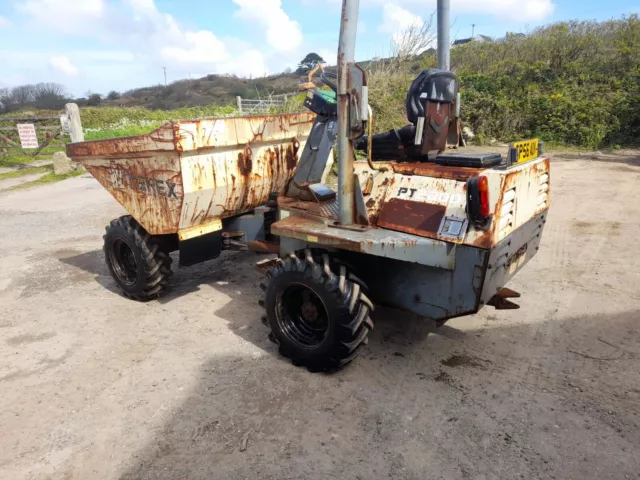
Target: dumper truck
point(419, 224)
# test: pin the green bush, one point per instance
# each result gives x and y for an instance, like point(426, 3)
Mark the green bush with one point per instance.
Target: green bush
point(575, 83)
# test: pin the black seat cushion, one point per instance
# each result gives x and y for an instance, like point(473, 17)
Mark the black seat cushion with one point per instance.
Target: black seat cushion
point(474, 160)
point(396, 144)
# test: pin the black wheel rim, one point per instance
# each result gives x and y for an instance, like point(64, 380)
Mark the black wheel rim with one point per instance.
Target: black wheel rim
point(302, 315)
point(123, 261)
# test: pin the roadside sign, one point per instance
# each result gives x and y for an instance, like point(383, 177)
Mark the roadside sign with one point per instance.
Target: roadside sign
point(27, 133)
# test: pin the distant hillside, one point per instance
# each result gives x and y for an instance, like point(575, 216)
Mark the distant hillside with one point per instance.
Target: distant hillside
point(209, 90)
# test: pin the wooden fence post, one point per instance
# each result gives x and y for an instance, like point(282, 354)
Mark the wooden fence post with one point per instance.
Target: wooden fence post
point(75, 125)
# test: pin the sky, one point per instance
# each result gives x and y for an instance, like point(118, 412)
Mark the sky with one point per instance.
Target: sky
point(104, 45)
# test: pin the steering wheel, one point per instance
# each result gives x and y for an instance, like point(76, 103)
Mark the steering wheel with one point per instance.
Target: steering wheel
point(329, 83)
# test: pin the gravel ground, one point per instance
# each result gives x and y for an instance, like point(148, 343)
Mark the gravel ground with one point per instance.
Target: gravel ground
point(94, 386)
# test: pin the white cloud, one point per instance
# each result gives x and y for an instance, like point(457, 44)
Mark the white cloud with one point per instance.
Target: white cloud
point(396, 19)
point(522, 11)
point(68, 16)
point(197, 48)
point(4, 22)
point(63, 65)
point(250, 63)
point(283, 34)
point(538, 9)
point(149, 35)
point(329, 55)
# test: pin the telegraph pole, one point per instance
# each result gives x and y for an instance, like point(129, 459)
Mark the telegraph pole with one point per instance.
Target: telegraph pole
point(165, 76)
point(473, 29)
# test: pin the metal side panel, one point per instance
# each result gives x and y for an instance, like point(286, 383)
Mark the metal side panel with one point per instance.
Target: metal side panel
point(422, 205)
point(314, 158)
point(426, 291)
point(511, 254)
point(226, 182)
point(372, 241)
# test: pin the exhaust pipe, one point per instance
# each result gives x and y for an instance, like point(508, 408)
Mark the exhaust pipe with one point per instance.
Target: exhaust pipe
point(444, 27)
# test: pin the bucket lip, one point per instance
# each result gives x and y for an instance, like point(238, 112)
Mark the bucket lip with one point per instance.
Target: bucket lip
point(168, 137)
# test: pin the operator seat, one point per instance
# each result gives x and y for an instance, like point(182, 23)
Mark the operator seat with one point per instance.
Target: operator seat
point(431, 110)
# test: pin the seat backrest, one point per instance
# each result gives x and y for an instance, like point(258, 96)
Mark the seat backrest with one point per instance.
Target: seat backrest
point(431, 107)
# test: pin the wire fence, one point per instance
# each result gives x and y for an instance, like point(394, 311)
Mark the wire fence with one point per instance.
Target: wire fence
point(262, 105)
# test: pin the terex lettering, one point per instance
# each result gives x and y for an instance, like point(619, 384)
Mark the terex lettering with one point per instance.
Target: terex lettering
point(152, 186)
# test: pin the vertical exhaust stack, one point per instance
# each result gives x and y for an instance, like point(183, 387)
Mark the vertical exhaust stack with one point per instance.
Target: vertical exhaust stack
point(346, 58)
point(444, 43)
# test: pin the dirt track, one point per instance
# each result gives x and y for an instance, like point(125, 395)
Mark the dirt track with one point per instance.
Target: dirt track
point(94, 386)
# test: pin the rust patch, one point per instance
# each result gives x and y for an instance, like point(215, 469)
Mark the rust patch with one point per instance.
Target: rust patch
point(292, 159)
point(368, 186)
point(245, 162)
point(152, 194)
point(362, 220)
point(412, 217)
point(263, 247)
point(371, 203)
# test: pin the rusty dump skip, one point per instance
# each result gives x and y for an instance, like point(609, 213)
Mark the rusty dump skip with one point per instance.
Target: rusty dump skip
point(191, 173)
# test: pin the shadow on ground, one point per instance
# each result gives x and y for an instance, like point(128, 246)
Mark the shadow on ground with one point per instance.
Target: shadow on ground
point(185, 280)
point(92, 263)
point(495, 402)
point(550, 398)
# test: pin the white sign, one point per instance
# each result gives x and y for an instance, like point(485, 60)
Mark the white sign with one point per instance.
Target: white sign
point(64, 123)
point(28, 137)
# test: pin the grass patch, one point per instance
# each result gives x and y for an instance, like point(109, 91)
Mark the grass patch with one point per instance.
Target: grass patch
point(49, 178)
point(11, 161)
point(103, 117)
point(123, 131)
point(25, 171)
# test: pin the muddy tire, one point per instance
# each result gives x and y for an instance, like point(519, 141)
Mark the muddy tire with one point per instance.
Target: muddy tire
point(317, 311)
point(137, 263)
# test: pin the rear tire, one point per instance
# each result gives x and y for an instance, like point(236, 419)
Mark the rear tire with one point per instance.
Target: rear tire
point(318, 312)
point(138, 263)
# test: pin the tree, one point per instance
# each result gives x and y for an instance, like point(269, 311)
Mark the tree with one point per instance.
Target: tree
point(414, 40)
point(22, 94)
point(113, 95)
point(49, 95)
point(4, 97)
point(308, 62)
point(94, 99)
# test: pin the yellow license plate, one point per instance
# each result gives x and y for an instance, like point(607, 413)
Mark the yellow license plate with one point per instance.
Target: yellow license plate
point(527, 150)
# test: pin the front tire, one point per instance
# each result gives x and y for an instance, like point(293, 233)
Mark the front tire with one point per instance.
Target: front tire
point(137, 263)
point(317, 311)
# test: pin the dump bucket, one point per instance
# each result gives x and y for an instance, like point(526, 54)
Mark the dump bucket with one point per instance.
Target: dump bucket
point(190, 173)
